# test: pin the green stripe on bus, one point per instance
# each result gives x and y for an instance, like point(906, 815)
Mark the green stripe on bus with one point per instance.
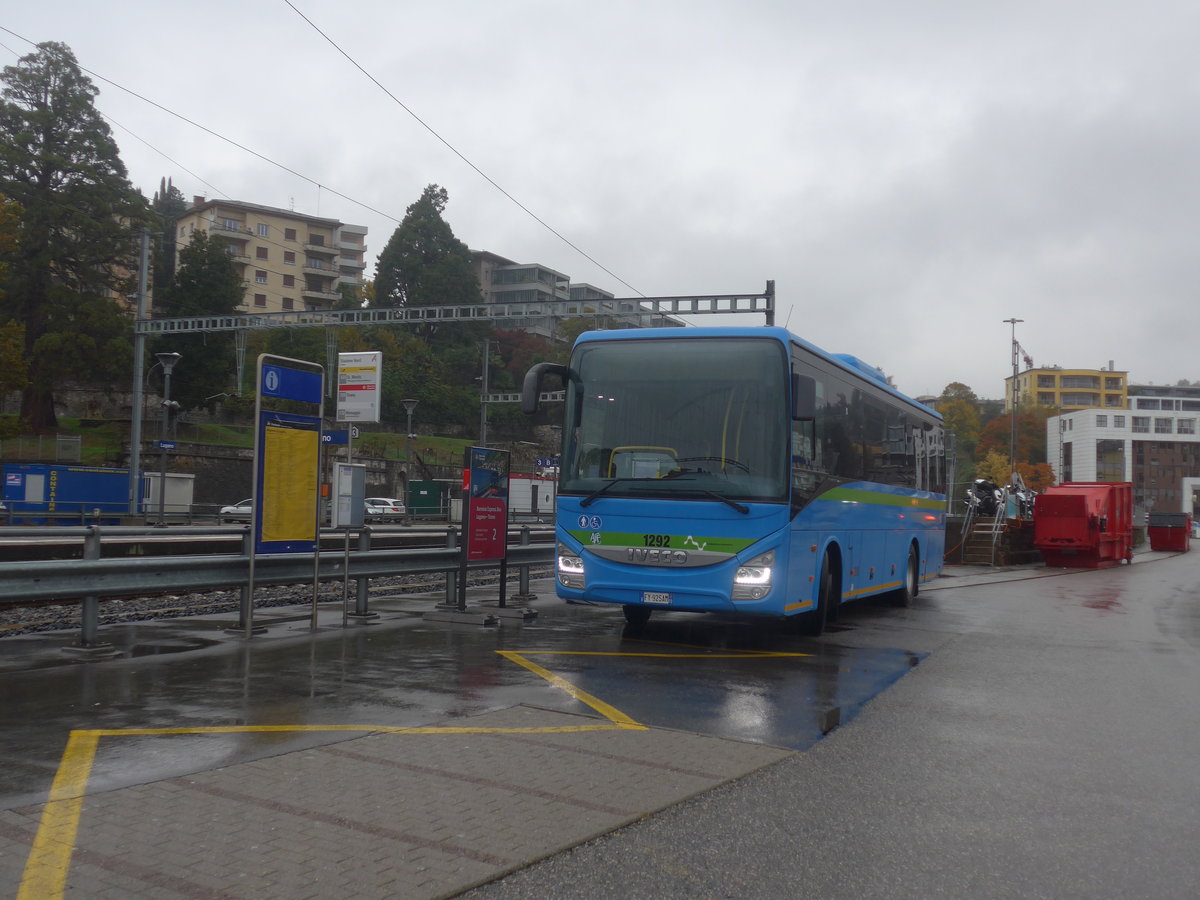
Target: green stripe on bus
point(856, 495)
point(665, 541)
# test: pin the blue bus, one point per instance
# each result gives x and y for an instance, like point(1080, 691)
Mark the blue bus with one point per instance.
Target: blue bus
point(740, 470)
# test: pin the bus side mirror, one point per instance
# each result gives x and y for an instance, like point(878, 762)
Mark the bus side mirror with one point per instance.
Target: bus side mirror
point(531, 389)
point(804, 397)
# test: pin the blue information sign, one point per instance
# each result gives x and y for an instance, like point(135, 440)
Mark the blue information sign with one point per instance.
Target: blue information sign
point(291, 384)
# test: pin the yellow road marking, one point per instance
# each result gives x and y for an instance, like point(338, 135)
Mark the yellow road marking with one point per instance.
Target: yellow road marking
point(46, 871)
point(749, 654)
point(372, 729)
point(611, 713)
point(49, 859)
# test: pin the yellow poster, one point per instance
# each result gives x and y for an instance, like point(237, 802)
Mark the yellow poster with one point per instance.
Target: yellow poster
point(289, 505)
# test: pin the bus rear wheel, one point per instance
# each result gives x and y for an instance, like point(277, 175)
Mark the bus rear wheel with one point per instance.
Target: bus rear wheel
point(636, 616)
point(908, 591)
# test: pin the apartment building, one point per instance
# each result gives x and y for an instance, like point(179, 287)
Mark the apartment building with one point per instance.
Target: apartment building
point(1068, 388)
point(1154, 443)
point(289, 260)
point(502, 280)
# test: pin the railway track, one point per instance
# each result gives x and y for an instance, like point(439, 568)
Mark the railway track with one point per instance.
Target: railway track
point(20, 614)
point(17, 618)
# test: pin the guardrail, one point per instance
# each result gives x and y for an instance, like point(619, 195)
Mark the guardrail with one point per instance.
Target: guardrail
point(93, 577)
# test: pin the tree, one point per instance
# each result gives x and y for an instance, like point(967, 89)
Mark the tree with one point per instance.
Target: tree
point(956, 390)
point(1031, 435)
point(13, 369)
point(959, 407)
point(994, 467)
point(1037, 476)
point(960, 412)
point(207, 282)
point(424, 264)
point(168, 205)
point(58, 161)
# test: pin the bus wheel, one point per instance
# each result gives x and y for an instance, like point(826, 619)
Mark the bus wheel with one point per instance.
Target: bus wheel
point(905, 596)
point(813, 623)
point(636, 616)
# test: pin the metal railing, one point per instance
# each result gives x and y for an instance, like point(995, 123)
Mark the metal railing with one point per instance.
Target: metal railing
point(94, 576)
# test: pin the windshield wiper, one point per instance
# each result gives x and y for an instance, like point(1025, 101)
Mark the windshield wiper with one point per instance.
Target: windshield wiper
point(677, 473)
point(740, 507)
point(743, 509)
point(590, 498)
point(725, 461)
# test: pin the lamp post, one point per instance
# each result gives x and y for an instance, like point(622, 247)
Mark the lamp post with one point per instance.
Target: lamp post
point(409, 406)
point(1012, 438)
point(168, 361)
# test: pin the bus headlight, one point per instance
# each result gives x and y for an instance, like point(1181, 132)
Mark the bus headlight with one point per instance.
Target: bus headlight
point(570, 567)
point(752, 581)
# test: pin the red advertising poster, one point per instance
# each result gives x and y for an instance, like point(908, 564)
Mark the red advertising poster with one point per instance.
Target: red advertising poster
point(485, 490)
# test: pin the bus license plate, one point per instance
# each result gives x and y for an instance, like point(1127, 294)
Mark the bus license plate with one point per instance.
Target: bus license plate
point(656, 597)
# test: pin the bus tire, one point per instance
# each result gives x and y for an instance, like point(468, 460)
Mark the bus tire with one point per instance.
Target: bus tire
point(636, 616)
point(813, 623)
point(908, 590)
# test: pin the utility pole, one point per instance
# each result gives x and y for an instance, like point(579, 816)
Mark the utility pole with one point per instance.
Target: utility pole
point(1012, 439)
point(487, 346)
point(139, 351)
point(169, 406)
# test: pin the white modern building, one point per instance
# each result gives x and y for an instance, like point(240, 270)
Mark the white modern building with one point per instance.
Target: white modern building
point(1154, 444)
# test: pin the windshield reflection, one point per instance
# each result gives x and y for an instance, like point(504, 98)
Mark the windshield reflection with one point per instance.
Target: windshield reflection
point(680, 418)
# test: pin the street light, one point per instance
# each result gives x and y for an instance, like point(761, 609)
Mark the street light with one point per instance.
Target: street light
point(483, 398)
point(1012, 439)
point(409, 406)
point(168, 361)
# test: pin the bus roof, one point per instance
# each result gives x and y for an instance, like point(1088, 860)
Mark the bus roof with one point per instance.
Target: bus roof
point(850, 364)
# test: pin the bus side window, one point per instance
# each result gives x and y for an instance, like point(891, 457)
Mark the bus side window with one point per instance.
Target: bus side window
point(921, 458)
point(803, 445)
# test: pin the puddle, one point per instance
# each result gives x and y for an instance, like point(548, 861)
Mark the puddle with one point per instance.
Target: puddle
point(181, 645)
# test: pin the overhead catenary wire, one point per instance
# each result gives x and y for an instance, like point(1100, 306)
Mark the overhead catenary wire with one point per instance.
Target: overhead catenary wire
point(458, 153)
point(326, 187)
point(220, 136)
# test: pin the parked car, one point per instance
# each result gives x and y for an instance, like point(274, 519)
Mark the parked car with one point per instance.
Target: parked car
point(237, 512)
point(384, 509)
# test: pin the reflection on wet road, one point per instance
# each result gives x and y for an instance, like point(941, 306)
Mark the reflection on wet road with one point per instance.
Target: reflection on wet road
point(738, 680)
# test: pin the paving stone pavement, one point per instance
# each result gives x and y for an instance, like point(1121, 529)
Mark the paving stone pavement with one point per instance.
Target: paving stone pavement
point(414, 815)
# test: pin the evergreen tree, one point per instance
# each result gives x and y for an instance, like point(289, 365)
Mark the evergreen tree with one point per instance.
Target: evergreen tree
point(168, 205)
point(206, 282)
point(59, 162)
point(424, 264)
point(12, 336)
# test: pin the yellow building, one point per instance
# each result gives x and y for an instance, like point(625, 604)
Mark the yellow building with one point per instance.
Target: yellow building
point(289, 261)
point(1068, 389)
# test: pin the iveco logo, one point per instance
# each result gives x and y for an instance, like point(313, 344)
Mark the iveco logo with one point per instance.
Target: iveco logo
point(649, 557)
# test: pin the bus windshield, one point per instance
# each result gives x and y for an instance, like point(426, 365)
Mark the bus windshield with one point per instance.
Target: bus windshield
point(687, 419)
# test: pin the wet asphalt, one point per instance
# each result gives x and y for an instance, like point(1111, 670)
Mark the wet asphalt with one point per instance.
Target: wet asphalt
point(1015, 733)
point(1047, 746)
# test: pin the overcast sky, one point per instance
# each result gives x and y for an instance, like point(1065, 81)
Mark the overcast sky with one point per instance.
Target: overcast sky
point(910, 174)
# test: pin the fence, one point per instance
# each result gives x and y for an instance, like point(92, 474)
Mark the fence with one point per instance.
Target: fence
point(38, 447)
point(94, 576)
